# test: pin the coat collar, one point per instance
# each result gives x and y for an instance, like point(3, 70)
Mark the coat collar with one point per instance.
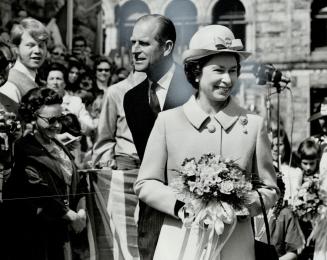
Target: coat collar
point(226, 117)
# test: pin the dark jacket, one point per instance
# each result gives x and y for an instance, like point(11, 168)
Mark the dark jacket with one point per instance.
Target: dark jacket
point(37, 198)
point(140, 119)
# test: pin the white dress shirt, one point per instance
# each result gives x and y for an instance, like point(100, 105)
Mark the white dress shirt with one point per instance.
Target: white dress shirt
point(163, 85)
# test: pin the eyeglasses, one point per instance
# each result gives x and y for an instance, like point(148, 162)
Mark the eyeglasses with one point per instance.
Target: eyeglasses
point(105, 70)
point(52, 120)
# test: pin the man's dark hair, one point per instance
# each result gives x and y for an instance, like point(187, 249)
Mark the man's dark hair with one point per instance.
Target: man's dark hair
point(57, 67)
point(166, 30)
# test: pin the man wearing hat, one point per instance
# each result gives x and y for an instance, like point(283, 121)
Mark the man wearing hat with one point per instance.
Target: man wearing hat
point(153, 40)
point(209, 122)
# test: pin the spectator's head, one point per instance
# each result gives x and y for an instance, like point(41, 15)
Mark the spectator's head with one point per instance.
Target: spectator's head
point(103, 68)
point(309, 153)
point(86, 81)
point(71, 125)
point(56, 78)
point(43, 106)
point(6, 61)
point(58, 53)
point(284, 150)
point(30, 39)
point(153, 41)
point(79, 45)
point(122, 73)
point(74, 70)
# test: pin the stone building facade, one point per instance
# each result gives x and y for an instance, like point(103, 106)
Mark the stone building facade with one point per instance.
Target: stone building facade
point(290, 34)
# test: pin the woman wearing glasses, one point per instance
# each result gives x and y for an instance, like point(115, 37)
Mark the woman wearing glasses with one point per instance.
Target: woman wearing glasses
point(45, 194)
point(103, 68)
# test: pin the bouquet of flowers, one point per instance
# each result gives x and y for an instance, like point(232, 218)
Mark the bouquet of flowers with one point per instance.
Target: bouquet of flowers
point(213, 179)
point(215, 191)
point(308, 203)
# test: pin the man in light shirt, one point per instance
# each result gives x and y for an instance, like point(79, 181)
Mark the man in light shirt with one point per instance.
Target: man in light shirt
point(30, 40)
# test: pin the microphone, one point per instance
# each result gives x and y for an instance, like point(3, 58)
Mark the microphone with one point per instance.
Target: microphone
point(268, 73)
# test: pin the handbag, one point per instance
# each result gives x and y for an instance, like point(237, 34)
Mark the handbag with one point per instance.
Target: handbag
point(264, 251)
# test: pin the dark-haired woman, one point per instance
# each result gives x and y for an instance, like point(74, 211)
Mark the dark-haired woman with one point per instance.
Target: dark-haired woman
point(45, 194)
point(209, 122)
point(103, 69)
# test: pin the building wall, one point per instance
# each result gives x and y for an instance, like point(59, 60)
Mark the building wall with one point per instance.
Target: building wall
point(277, 32)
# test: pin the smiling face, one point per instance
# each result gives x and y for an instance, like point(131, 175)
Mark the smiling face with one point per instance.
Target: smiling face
point(103, 72)
point(46, 112)
point(219, 74)
point(146, 50)
point(31, 53)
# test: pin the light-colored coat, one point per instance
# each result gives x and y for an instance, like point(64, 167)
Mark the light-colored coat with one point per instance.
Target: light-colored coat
point(184, 133)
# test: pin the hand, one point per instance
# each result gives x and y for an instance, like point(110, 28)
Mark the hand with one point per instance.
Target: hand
point(80, 223)
point(70, 215)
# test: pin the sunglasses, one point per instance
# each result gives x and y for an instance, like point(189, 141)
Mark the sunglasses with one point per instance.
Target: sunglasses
point(105, 70)
point(52, 120)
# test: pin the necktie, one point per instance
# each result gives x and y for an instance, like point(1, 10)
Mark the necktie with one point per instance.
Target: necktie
point(154, 101)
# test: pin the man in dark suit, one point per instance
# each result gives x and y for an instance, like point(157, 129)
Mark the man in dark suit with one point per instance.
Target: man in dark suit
point(166, 87)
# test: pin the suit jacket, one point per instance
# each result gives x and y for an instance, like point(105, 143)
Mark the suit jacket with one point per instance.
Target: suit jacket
point(140, 119)
point(37, 178)
point(184, 132)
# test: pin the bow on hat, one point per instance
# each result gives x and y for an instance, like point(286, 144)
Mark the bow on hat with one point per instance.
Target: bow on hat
point(214, 39)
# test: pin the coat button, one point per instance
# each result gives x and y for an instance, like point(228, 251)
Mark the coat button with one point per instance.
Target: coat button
point(211, 128)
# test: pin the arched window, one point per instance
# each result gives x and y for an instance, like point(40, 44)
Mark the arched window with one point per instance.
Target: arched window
point(127, 15)
point(231, 13)
point(319, 25)
point(183, 13)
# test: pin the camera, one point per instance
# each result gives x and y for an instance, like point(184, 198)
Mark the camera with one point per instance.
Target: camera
point(267, 73)
point(8, 126)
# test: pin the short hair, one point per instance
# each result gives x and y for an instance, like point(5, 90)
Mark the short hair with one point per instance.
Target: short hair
point(166, 31)
point(193, 68)
point(57, 67)
point(34, 99)
point(34, 27)
point(309, 149)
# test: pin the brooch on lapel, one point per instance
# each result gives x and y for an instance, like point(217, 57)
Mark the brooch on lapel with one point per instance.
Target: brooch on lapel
point(244, 121)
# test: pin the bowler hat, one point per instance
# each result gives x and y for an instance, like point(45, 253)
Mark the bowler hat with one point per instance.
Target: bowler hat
point(214, 39)
point(322, 111)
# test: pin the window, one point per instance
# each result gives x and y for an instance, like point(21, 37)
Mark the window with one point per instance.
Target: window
point(231, 13)
point(319, 25)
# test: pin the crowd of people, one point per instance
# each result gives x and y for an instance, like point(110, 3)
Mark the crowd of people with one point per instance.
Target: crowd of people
point(77, 111)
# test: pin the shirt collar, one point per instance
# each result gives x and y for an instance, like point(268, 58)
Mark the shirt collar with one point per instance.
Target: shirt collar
point(226, 117)
point(165, 80)
point(22, 68)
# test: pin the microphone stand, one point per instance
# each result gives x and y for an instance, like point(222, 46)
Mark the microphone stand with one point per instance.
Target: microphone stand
point(268, 106)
